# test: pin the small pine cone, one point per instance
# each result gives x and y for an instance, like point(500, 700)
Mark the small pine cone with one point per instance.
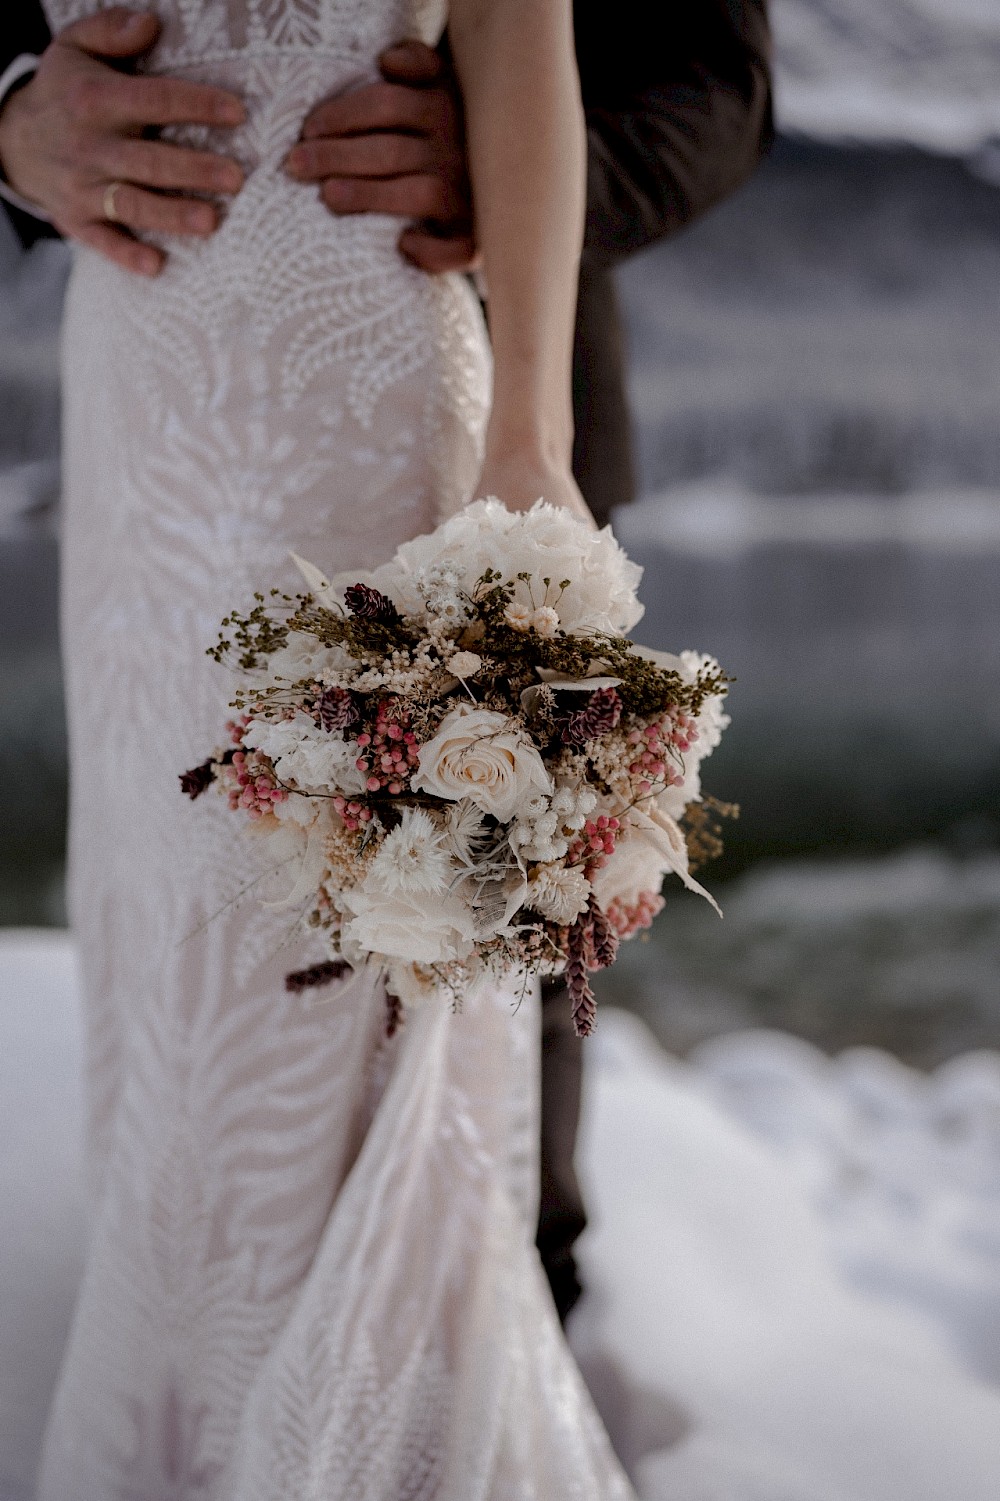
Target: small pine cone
point(394, 1014)
point(599, 717)
point(317, 974)
point(336, 709)
point(366, 603)
point(603, 938)
point(197, 780)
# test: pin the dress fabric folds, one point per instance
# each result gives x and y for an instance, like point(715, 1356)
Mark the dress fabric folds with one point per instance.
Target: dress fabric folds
point(311, 1270)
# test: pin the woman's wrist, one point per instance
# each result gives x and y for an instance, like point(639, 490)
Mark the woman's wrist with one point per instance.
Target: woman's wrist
point(542, 439)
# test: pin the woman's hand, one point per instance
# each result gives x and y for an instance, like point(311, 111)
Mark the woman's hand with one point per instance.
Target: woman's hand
point(519, 478)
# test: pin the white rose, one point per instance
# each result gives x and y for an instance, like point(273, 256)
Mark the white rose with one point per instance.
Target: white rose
point(423, 927)
point(476, 755)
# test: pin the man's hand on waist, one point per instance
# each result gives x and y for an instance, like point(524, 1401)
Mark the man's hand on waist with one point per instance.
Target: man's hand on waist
point(75, 142)
point(397, 147)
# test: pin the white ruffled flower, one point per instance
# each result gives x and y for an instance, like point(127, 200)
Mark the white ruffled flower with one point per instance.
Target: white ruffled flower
point(476, 754)
point(424, 927)
point(305, 755)
point(545, 542)
point(413, 857)
point(303, 656)
point(558, 892)
point(545, 620)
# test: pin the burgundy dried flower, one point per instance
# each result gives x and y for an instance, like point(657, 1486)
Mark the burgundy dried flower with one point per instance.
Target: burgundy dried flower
point(581, 996)
point(603, 938)
point(336, 709)
point(197, 780)
point(316, 974)
point(366, 603)
point(599, 716)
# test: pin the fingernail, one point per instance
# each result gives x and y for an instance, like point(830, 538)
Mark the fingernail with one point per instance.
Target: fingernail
point(149, 263)
point(132, 21)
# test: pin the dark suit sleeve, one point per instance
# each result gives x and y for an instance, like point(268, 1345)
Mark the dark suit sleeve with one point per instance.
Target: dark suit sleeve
point(678, 103)
point(26, 30)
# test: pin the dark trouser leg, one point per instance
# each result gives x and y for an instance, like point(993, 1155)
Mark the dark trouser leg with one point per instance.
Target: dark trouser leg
point(562, 1216)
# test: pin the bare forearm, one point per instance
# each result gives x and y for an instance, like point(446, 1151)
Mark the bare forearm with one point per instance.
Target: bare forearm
point(527, 158)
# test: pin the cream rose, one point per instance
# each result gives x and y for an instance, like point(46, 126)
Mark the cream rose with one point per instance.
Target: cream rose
point(477, 755)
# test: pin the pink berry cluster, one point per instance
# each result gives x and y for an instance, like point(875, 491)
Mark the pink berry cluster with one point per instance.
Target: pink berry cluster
point(352, 814)
point(390, 752)
point(256, 790)
point(628, 918)
point(652, 745)
point(595, 843)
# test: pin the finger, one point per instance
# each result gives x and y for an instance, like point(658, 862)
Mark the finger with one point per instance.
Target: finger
point(156, 164)
point(421, 196)
point(411, 62)
point(382, 154)
point(158, 213)
point(116, 32)
point(118, 246)
point(437, 253)
point(107, 98)
point(377, 106)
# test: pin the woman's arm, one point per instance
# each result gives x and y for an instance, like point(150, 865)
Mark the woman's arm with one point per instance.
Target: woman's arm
point(516, 65)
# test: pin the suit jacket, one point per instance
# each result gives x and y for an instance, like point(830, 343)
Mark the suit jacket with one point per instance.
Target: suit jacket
point(678, 103)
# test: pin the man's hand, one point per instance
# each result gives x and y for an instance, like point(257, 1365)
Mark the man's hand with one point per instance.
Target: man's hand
point(397, 147)
point(81, 124)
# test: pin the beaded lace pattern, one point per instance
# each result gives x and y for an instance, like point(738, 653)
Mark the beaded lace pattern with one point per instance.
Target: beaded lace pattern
point(311, 1271)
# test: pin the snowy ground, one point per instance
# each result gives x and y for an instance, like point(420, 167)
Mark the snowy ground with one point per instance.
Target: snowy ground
point(795, 1262)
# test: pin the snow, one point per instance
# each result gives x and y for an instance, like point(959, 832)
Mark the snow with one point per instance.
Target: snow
point(723, 1314)
point(794, 1261)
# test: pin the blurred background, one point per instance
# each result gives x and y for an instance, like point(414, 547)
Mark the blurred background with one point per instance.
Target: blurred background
point(815, 378)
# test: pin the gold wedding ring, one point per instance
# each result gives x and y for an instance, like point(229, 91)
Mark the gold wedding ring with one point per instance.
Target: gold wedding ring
point(109, 201)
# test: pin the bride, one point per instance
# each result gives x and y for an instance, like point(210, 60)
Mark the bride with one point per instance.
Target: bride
point(311, 1269)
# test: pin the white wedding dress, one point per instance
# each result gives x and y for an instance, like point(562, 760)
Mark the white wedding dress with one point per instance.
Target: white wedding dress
point(311, 1270)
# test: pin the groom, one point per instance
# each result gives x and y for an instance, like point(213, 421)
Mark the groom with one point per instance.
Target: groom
point(677, 98)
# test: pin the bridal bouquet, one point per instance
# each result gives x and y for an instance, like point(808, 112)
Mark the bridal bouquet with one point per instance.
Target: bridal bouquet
point(461, 760)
